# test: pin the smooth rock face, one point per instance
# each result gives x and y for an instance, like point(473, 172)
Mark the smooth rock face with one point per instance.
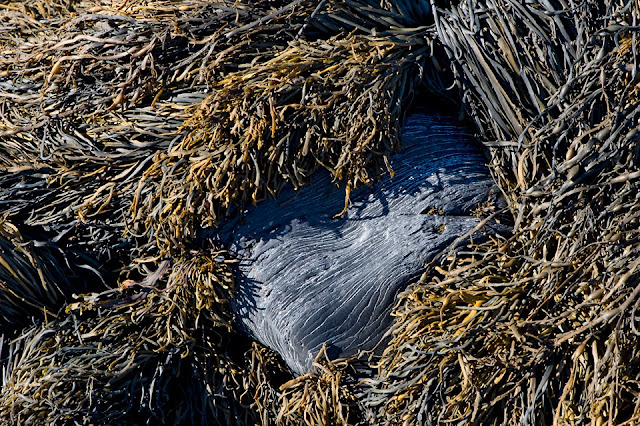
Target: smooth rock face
point(306, 278)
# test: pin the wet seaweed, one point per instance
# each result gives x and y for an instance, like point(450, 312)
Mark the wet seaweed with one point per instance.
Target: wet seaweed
point(129, 128)
point(145, 353)
point(537, 328)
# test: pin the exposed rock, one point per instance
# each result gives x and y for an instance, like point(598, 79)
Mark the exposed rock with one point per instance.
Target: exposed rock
point(307, 278)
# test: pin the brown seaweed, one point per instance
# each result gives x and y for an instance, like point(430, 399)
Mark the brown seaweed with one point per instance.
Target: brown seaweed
point(100, 101)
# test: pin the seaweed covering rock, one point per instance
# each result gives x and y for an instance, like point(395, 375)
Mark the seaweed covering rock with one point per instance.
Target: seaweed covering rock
point(128, 129)
point(308, 279)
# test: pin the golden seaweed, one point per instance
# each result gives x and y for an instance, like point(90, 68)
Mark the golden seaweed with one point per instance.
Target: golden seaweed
point(128, 129)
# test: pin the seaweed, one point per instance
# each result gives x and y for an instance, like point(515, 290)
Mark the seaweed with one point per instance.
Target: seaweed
point(127, 130)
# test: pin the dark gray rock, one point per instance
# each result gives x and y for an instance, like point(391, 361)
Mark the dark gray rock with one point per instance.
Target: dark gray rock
point(307, 279)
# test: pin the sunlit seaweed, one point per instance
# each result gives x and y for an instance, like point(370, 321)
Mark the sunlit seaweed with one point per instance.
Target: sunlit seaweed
point(129, 127)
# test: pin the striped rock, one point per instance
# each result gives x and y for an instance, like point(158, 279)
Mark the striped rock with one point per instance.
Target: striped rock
point(306, 279)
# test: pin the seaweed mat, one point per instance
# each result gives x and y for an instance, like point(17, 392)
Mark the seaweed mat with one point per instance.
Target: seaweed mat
point(128, 129)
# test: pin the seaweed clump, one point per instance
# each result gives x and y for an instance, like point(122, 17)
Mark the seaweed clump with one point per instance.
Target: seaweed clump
point(130, 129)
point(539, 327)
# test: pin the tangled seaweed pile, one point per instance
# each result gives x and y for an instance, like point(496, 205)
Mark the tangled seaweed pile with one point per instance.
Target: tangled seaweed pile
point(539, 327)
point(128, 128)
